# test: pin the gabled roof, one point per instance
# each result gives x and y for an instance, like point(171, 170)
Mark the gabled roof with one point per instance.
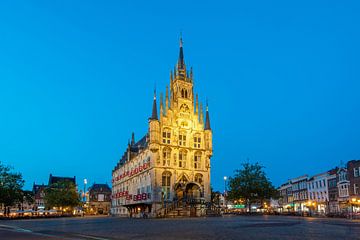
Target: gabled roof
point(54, 179)
point(100, 187)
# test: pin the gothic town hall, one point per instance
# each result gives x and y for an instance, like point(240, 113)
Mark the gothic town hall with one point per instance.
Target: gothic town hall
point(167, 171)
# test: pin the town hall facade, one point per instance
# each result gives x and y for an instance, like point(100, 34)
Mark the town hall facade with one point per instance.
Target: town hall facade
point(167, 171)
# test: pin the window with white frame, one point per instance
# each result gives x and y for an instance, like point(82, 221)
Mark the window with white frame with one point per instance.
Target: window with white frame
point(197, 160)
point(356, 172)
point(182, 158)
point(356, 189)
point(166, 177)
point(166, 157)
point(182, 138)
point(166, 136)
point(197, 141)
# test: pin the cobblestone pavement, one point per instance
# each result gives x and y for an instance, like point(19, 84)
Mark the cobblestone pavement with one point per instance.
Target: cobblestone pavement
point(228, 227)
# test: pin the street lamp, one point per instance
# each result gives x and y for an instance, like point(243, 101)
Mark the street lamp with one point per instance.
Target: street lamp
point(85, 182)
point(225, 178)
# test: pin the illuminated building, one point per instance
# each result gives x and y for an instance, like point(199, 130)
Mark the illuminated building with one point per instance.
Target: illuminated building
point(168, 169)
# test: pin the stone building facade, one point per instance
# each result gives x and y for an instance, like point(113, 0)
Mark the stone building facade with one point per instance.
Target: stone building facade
point(168, 169)
point(343, 185)
point(333, 191)
point(286, 199)
point(99, 199)
point(300, 193)
point(353, 167)
point(319, 193)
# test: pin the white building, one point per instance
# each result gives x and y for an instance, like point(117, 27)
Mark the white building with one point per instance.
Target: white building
point(318, 192)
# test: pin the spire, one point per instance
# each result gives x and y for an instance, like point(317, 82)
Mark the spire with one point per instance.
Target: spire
point(181, 62)
point(161, 106)
point(201, 114)
point(154, 115)
point(207, 121)
point(132, 139)
point(197, 105)
point(166, 100)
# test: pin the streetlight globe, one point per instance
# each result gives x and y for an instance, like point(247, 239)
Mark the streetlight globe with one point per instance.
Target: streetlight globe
point(85, 181)
point(225, 177)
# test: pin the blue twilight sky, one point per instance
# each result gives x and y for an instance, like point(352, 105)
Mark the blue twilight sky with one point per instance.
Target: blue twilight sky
point(77, 77)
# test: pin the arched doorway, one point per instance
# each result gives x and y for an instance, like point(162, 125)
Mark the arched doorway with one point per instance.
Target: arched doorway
point(193, 197)
point(192, 191)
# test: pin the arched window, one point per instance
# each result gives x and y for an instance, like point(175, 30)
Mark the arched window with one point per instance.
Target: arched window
point(186, 94)
point(182, 158)
point(182, 93)
point(197, 160)
point(199, 178)
point(197, 141)
point(182, 138)
point(166, 156)
point(166, 136)
point(166, 182)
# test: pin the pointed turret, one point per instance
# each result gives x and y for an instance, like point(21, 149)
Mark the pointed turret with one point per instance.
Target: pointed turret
point(207, 121)
point(154, 115)
point(181, 62)
point(166, 100)
point(201, 114)
point(197, 105)
point(132, 139)
point(161, 106)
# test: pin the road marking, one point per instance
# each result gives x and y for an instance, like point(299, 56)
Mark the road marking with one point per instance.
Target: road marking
point(91, 237)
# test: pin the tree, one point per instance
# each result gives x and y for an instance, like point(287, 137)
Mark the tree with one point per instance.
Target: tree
point(28, 197)
point(215, 197)
point(250, 184)
point(62, 194)
point(10, 187)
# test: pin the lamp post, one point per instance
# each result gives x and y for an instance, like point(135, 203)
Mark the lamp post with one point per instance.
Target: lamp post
point(85, 182)
point(225, 178)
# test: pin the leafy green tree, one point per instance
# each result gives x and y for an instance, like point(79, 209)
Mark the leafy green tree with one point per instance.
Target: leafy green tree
point(62, 194)
point(10, 186)
point(250, 184)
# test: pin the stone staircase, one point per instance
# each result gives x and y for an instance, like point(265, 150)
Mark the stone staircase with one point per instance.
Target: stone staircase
point(181, 209)
point(178, 212)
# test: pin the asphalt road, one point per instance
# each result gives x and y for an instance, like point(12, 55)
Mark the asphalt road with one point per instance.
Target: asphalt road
point(229, 227)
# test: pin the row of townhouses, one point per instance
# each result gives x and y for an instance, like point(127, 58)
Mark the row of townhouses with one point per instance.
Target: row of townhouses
point(96, 200)
point(332, 192)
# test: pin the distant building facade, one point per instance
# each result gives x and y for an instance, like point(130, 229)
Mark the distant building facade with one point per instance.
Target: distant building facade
point(319, 192)
point(333, 192)
point(39, 194)
point(286, 198)
point(300, 193)
point(170, 165)
point(99, 199)
point(343, 185)
point(353, 167)
point(39, 190)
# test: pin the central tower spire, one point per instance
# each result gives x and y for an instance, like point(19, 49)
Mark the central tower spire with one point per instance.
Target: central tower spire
point(181, 62)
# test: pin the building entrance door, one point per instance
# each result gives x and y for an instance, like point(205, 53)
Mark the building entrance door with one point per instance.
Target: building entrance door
point(192, 211)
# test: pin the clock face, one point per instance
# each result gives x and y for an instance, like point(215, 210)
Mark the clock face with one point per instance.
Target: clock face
point(184, 108)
